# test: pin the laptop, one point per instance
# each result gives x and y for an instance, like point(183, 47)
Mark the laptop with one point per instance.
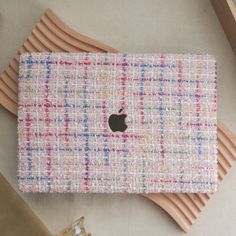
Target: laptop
point(117, 122)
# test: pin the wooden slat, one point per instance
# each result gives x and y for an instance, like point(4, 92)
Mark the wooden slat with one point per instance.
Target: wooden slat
point(226, 13)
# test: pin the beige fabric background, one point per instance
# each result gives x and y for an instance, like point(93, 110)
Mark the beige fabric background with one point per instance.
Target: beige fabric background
point(182, 26)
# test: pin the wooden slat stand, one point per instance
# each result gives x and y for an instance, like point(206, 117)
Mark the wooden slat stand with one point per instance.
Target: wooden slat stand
point(226, 12)
point(51, 34)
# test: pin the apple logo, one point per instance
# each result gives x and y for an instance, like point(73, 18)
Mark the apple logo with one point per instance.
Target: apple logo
point(117, 122)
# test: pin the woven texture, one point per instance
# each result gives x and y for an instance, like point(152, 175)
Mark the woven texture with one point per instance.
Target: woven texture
point(66, 144)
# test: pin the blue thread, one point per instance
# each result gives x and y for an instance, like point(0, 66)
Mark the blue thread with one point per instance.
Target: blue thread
point(105, 141)
point(161, 113)
point(86, 127)
point(199, 131)
point(29, 153)
point(153, 65)
point(48, 75)
point(180, 122)
point(142, 80)
point(34, 178)
point(124, 145)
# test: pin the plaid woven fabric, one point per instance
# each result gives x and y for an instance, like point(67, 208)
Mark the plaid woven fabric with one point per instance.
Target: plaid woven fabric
point(67, 145)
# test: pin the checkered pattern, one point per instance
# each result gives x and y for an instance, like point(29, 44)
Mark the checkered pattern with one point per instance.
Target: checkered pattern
point(66, 144)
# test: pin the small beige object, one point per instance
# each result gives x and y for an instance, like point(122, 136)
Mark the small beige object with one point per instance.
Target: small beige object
point(76, 229)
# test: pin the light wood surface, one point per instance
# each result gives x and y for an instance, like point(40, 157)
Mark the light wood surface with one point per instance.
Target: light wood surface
point(226, 13)
point(51, 34)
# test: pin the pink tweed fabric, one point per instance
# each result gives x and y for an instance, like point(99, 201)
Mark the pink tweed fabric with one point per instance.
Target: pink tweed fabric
point(67, 145)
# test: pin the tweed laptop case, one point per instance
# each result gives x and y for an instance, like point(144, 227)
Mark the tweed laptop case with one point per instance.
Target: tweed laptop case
point(116, 122)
